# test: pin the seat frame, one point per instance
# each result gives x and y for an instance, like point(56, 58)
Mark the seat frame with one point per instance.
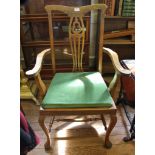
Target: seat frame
point(76, 38)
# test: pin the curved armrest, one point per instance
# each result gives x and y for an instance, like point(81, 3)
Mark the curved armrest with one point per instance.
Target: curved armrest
point(115, 60)
point(118, 70)
point(36, 69)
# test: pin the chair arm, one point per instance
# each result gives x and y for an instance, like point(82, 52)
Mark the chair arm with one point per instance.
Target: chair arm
point(118, 71)
point(115, 61)
point(36, 69)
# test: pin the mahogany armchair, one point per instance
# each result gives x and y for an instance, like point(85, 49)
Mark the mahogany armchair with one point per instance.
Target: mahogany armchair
point(77, 92)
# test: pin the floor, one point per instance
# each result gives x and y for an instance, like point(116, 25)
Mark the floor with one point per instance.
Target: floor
point(81, 138)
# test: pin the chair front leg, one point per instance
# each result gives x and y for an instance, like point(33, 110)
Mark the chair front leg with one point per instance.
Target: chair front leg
point(43, 126)
point(113, 120)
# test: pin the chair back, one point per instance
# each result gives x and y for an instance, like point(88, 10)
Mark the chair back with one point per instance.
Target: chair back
point(77, 32)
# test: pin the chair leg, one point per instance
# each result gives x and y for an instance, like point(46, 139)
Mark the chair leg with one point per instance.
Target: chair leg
point(51, 123)
point(43, 126)
point(103, 121)
point(113, 120)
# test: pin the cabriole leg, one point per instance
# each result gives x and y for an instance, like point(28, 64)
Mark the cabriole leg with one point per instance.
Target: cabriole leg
point(43, 126)
point(113, 120)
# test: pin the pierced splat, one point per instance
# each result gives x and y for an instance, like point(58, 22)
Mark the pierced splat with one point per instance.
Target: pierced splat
point(76, 38)
point(77, 32)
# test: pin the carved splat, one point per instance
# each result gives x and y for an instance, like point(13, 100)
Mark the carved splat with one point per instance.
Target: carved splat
point(77, 32)
point(76, 38)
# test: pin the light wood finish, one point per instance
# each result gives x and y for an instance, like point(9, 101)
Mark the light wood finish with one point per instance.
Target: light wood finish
point(43, 126)
point(36, 71)
point(101, 34)
point(119, 70)
point(41, 85)
point(51, 41)
point(77, 32)
point(113, 120)
point(115, 61)
point(76, 38)
point(75, 11)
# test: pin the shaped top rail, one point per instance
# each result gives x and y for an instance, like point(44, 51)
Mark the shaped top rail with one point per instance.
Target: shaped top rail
point(75, 11)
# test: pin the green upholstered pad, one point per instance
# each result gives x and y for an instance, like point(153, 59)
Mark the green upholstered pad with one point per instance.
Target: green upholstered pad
point(77, 89)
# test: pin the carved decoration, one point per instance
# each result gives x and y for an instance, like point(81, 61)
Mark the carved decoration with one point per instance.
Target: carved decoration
point(76, 32)
point(77, 37)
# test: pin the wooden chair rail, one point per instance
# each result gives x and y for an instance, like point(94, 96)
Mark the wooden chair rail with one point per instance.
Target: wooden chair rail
point(71, 10)
point(76, 111)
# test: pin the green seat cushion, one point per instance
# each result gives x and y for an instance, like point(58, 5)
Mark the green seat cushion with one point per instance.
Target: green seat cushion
point(76, 90)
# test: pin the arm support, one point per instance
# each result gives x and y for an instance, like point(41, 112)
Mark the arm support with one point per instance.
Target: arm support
point(118, 69)
point(36, 72)
point(36, 69)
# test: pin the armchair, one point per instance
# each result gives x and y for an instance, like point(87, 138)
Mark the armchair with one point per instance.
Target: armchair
point(77, 92)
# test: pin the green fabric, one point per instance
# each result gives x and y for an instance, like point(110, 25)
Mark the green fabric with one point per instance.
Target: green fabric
point(77, 89)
